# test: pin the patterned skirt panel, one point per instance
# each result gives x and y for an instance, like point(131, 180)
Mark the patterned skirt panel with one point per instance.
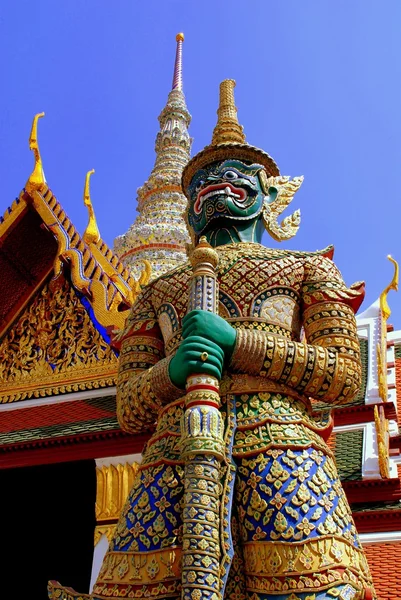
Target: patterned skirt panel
point(292, 531)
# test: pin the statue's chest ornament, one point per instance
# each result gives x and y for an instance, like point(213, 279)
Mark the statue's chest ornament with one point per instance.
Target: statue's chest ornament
point(263, 289)
point(278, 306)
point(267, 290)
point(168, 322)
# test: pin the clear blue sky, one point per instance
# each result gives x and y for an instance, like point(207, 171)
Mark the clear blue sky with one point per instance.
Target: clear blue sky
point(318, 87)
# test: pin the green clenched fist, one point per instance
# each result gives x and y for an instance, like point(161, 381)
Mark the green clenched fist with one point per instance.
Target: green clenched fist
point(212, 327)
point(187, 360)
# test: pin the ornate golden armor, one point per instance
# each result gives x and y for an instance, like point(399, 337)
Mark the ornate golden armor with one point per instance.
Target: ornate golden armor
point(291, 530)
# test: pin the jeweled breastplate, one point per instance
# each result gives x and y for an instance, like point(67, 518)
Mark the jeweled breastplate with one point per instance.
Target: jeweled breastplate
point(259, 288)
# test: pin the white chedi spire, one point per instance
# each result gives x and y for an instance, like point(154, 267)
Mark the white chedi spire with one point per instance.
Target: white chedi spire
point(159, 233)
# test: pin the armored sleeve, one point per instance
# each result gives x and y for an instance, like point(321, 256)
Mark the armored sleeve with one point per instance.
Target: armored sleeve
point(143, 382)
point(327, 365)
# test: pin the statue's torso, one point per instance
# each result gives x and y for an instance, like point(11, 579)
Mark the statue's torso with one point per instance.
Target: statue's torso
point(260, 288)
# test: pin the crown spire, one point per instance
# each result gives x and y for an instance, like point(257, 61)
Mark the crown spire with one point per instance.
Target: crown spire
point(228, 141)
point(37, 177)
point(227, 130)
point(159, 233)
point(177, 76)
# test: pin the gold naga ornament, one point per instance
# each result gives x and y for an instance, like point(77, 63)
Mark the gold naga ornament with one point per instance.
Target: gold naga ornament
point(381, 348)
point(37, 178)
point(91, 234)
point(229, 140)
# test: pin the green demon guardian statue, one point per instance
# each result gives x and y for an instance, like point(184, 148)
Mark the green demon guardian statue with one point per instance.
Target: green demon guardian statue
point(239, 498)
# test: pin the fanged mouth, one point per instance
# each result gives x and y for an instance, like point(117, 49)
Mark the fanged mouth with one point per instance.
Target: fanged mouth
point(216, 189)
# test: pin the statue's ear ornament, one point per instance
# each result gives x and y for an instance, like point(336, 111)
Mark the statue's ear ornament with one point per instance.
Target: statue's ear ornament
point(272, 209)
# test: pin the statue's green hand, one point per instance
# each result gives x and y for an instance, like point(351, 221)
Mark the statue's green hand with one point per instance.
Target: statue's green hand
point(187, 360)
point(212, 327)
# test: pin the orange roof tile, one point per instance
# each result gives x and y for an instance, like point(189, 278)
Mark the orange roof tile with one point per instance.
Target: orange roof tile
point(384, 560)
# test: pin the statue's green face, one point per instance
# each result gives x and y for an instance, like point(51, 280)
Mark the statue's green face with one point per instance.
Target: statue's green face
point(229, 189)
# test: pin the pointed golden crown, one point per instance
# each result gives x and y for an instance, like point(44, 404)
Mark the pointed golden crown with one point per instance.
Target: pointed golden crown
point(227, 130)
point(228, 140)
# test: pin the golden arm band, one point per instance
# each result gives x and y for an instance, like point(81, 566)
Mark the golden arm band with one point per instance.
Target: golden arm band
point(143, 384)
point(329, 370)
point(161, 383)
point(249, 351)
point(140, 398)
point(137, 406)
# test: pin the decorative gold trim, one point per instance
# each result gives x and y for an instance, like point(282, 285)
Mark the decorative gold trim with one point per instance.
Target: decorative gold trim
point(161, 383)
point(92, 268)
point(267, 559)
point(381, 348)
point(382, 431)
point(142, 568)
point(107, 530)
point(36, 180)
point(113, 484)
point(91, 234)
point(12, 213)
point(286, 188)
point(393, 285)
point(53, 347)
point(249, 351)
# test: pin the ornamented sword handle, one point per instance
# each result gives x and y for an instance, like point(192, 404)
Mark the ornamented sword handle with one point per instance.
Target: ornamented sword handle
point(203, 449)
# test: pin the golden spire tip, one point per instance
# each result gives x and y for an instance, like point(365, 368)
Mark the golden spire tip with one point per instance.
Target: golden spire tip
point(37, 177)
point(87, 198)
point(227, 130)
point(91, 234)
point(179, 37)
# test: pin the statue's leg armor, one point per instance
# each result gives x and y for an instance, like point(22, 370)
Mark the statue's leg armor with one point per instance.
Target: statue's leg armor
point(298, 536)
point(143, 559)
point(235, 588)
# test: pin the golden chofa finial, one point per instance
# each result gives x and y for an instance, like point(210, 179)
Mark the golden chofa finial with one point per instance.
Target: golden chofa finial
point(91, 234)
point(393, 285)
point(227, 130)
point(37, 177)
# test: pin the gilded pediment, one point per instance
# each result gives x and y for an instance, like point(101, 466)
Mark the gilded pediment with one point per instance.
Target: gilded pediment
point(54, 347)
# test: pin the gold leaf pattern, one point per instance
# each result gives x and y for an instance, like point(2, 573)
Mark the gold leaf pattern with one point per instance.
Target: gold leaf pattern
point(54, 347)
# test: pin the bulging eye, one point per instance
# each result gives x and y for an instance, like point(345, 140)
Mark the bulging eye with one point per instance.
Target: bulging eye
point(230, 175)
point(199, 185)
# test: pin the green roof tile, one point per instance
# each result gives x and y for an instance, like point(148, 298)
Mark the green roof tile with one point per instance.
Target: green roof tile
point(374, 506)
point(348, 452)
point(58, 420)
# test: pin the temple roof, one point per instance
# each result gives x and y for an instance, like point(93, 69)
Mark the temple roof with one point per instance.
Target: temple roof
point(63, 296)
point(65, 430)
point(37, 237)
point(60, 420)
